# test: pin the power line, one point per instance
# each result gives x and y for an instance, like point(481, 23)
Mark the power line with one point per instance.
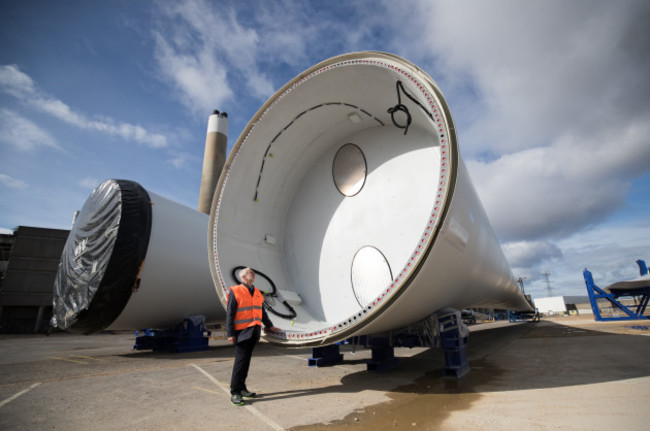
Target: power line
point(520, 280)
point(549, 290)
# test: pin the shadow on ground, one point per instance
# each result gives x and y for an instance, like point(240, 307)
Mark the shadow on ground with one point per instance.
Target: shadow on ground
point(519, 357)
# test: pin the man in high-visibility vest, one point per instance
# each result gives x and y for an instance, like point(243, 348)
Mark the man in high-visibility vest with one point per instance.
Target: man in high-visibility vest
point(244, 317)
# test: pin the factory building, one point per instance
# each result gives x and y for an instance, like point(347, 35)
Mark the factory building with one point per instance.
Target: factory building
point(29, 260)
point(563, 305)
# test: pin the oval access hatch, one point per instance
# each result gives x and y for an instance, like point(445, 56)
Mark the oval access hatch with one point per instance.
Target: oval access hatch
point(349, 169)
point(370, 274)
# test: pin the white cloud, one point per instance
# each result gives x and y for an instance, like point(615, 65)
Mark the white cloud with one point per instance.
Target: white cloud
point(608, 251)
point(19, 85)
point(12, 183)
point(530, 253)
point(23, 134)
point(14, 82)
point(198, 45)
point(553, 103)
point(213, 53)
point(88, 183)
point(199, 80)
point(557, 190)
point(542, 68)
point(183, 160)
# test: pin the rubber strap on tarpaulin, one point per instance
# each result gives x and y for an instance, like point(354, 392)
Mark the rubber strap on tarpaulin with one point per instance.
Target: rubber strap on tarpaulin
point(129, 251)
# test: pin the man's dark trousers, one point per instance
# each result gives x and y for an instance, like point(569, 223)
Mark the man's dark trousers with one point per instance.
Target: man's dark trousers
point(243, 354)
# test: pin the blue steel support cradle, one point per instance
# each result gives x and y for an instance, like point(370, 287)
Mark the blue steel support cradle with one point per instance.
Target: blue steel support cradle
point(325, 356)
point(453, 342)
point(596, 293)
point(383, 354)
point(452, 339)
point(382, 351)
point(188, 336)
point(523, 316)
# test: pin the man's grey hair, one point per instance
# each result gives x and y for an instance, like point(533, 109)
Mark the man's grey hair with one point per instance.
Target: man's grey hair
point(244, 272)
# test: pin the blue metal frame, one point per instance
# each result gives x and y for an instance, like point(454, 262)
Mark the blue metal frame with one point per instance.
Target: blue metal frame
point(325, 356)
point(453, 344)
point(382, 354)
point(523, 316)
point(187, 336)
point(596, 293)
point(451, 339)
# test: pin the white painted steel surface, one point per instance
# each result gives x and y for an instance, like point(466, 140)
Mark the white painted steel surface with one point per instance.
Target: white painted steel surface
point(414, 204)
point(642, 282)
point(218, 124)
point(175, 280)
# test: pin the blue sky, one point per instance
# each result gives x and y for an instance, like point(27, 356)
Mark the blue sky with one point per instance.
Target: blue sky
point(550, 98)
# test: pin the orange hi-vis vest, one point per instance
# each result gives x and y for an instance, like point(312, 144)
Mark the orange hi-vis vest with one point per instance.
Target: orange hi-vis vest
point(249, 308)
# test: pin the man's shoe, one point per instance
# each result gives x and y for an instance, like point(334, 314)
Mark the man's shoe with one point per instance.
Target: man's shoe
point(236, 399)
point(247, 394)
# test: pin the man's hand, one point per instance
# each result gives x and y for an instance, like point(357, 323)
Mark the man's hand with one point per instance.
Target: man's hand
point(272, 329)
point(232, 340)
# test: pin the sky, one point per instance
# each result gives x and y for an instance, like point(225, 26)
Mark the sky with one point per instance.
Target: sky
point(551, 100)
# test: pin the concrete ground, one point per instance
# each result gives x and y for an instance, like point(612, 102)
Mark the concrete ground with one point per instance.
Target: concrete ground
point(565, 373)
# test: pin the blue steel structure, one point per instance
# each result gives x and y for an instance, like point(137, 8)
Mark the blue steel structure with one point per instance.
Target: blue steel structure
point(188, 336)
point(382, 350)
point(523, 316)
point(596, 293)
point(451, 337)
point(453, 340)
point(325, 356)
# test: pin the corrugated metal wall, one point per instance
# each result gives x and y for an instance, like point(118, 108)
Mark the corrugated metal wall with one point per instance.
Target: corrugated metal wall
point(26, 289)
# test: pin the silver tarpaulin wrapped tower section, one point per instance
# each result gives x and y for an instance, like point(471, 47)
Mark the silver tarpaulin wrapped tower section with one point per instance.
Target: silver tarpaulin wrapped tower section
point(102, 257)
point(134, 260)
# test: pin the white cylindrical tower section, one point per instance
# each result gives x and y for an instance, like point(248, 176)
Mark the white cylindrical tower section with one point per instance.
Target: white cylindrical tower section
point(214, 157)
point(133, 260)
point(347, 192)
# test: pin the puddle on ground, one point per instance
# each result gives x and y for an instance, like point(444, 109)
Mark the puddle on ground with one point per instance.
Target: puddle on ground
point(423, 405)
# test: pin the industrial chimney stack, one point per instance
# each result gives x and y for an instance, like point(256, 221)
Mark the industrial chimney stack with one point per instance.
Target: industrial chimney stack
point(214, 158)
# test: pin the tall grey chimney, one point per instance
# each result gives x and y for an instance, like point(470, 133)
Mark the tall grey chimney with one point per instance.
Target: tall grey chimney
point(214, 158)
